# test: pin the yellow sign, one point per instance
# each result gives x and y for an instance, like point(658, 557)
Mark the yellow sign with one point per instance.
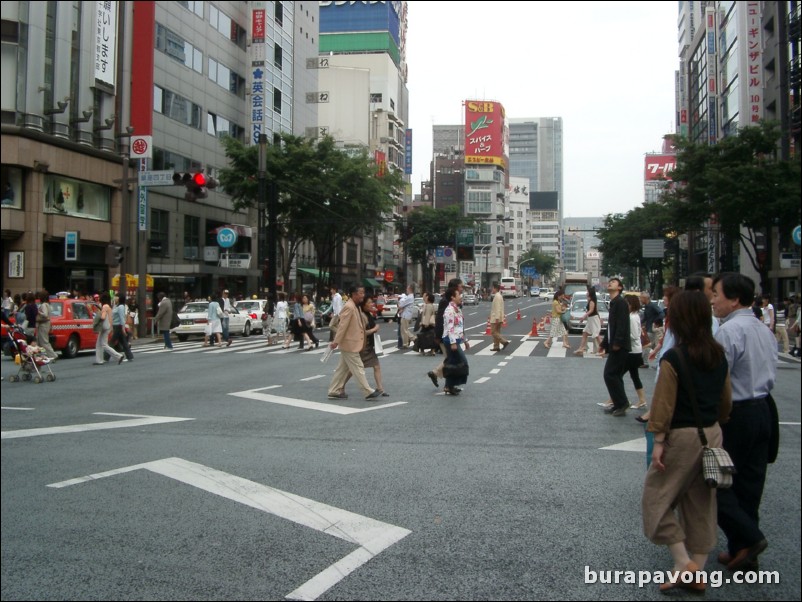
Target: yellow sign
point(131, 281)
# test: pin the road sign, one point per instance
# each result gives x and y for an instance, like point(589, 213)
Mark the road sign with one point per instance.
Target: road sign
point(156, 178)
point(796, 235)
point(141, 147)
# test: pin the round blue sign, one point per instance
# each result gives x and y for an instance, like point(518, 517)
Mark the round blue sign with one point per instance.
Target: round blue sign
point(226, 238)
point(797, 235)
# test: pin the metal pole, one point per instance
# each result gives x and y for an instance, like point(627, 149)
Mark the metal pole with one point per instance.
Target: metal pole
point(272, 240)
point(125, 225)
point(260, 203)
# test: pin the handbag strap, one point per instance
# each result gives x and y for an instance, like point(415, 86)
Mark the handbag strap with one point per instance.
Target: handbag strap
point(685, 378)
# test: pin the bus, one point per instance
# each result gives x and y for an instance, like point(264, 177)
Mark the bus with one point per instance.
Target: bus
point(510, 286)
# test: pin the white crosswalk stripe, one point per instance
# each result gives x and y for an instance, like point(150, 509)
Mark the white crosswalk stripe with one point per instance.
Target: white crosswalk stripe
point(481, 346)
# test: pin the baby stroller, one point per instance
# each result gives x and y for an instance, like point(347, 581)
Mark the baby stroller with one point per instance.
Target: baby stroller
point(32, 359)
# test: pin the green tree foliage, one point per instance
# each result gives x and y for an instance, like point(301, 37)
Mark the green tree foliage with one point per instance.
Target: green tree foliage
point(621, 241)
point(544, 263)
point(325, 195)
point(427, 228)
point(739, 181)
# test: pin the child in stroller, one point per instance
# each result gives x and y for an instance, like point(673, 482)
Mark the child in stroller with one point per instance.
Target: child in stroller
point(32, 359)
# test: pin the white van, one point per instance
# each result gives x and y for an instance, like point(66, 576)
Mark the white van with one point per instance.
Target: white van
point(510, 287)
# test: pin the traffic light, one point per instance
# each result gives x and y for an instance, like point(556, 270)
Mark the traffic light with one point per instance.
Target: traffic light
point(197, 184)
point(114, 254)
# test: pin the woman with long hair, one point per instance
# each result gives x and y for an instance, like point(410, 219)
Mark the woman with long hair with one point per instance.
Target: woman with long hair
point(679, 509)
point(635, 357)
point(593, 324)
point(102, 343)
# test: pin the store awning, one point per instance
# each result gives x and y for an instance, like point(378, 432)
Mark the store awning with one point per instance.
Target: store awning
point(372, 282)
point(314, 272)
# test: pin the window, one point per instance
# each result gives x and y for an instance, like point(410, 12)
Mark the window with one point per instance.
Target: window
point(277, 57)
point(11, 180)
point(66, 196)
point(163, 159)
point(277, 100)
point(227, 26)
point(280, 13)
point(220, 126)
point(159, 233)
point(191, 237)
point(226, 78)
point(194, 6)
point(177, 107)
point(177, 48)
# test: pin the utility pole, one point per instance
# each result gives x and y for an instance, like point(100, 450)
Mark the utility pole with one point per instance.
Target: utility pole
point(260, 203)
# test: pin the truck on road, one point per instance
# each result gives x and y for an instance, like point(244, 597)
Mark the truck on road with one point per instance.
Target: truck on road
point(572, 282)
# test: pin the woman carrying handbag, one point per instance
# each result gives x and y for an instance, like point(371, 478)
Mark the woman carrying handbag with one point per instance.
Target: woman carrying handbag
point(692, 396)
point(455, 368)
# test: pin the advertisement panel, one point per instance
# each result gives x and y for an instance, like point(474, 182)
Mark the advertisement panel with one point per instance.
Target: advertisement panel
point(484, 132)
point(659, 167)
point(349, 17)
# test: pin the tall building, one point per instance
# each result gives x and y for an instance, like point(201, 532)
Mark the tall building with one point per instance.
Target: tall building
point(536, 153)
point(176, 72)
point(364, 105)
point(739, 64)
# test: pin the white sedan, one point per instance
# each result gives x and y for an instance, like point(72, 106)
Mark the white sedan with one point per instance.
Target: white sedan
point(193, 317)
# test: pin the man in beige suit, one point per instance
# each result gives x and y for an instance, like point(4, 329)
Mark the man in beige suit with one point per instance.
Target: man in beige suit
point(350, 338)
point(497, 319)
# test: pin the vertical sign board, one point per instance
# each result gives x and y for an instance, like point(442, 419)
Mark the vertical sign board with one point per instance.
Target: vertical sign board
point(106, 44)
point(142, 201)
point(16, 264)
point(71, 242)
point(752, 33)
point(257, 75)
point(408, 152)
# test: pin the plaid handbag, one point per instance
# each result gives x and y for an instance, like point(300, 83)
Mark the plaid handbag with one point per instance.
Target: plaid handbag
point(717, 465)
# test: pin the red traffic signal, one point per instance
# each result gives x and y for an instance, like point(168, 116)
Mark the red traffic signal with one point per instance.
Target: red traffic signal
point(199, 179)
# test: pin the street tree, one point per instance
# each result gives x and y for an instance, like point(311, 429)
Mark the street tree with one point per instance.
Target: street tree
point(324, 195)
point(621, 243)
point(427, 228)
point(739, 183)
point(544, 263)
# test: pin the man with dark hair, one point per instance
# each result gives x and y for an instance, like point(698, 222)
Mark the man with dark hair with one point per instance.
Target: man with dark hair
point(651, 312)
point(617, 345)
point(703, 282)
point(350, 338)
point(752, 434)
point(438, 330)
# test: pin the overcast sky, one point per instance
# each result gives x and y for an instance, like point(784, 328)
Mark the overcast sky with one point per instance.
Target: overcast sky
point(606, 68)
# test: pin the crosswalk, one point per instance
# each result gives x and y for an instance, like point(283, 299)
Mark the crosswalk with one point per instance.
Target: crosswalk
point(520, 346)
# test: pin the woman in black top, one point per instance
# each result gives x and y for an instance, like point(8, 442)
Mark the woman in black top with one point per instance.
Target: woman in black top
point(674, 483)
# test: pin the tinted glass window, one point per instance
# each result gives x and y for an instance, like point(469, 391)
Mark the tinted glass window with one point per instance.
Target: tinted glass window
point(79, 311)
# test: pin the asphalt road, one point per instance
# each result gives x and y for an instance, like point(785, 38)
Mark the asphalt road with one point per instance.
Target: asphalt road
point(226, 474)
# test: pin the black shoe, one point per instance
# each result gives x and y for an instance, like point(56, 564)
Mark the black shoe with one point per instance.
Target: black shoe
point(120, 361)
point(433, 376)
point(374, 395)
point(641, 419)
point(229, 343)
point(618, 412)
point(340, 395)
point(317, 344)
point(504, 344)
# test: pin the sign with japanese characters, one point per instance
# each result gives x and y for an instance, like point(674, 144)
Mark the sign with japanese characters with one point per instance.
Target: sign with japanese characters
point(754, 62)
point(485, 126)
point(105, 35)
point(659, 167)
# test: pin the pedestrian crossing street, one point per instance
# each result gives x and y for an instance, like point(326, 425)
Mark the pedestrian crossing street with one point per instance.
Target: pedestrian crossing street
point(520, 346)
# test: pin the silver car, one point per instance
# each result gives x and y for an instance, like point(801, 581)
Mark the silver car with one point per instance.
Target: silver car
point(469, 299)
point(578, 308)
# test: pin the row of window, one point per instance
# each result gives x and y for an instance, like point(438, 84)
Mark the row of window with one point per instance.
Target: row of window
point(193, 241)
point(187, 112)
point(220, 21)
point(179, 49)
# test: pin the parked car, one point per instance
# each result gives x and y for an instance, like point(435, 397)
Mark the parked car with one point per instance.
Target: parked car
point(389, 309)
point(254, 308)
point(579, 305)
point(469, 299)
point(193, 321)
